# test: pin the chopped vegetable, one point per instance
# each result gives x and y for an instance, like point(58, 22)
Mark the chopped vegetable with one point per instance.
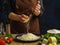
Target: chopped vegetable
point(46, 36)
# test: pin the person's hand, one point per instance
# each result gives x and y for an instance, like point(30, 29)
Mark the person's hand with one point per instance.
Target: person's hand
point(24, 18)
point(36, 10)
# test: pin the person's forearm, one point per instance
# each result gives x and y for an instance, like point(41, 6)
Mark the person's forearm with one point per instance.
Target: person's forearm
point(8, 28)
point(13, 16)
point(36, 10)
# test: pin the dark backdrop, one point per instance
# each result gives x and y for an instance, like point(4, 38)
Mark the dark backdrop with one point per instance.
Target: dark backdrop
point(50, 19)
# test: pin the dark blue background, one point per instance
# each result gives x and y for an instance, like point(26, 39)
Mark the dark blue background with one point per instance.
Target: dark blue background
point(51, 16)
point(4, 10)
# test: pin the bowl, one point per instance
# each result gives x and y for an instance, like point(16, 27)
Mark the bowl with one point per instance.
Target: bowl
point(18, 38)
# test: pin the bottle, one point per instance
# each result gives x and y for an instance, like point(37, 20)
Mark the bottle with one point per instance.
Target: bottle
point(1, 28)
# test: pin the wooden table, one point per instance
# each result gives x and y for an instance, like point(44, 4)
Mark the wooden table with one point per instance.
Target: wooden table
point(20, 43)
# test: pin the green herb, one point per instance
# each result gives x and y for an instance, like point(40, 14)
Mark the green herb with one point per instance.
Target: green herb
point(8, 35)
point(46, 36)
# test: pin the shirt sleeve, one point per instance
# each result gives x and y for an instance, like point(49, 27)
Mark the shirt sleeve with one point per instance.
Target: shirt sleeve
point(5, 10)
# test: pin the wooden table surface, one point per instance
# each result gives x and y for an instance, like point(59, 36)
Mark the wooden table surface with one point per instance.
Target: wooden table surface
point(18, 43)
point(21, 43)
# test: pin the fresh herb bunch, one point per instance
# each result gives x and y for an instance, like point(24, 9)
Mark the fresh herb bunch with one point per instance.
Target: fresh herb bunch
point(8, 35)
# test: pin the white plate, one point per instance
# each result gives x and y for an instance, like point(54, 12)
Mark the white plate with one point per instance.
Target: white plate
point(55, 31)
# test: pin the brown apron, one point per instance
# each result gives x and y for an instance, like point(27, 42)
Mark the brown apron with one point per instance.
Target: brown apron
point(18, 27)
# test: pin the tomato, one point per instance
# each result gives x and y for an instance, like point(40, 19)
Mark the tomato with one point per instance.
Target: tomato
point(9, 40)
point(2, 42)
